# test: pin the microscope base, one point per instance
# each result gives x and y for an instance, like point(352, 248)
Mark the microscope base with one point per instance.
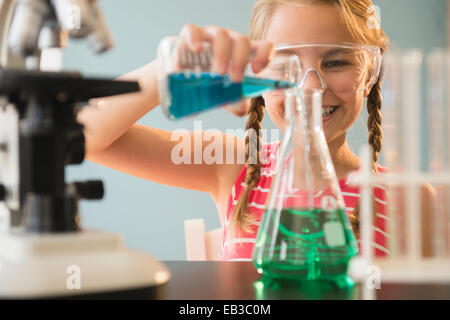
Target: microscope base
point(88, 264)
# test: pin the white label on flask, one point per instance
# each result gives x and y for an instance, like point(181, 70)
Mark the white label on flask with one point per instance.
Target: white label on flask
point(283, 250)
point(334, 234)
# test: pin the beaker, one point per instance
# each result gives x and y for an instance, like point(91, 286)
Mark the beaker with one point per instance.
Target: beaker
point(188, 84)
point(305, 233)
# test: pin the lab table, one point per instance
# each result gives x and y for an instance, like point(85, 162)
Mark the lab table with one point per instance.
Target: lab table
point(214, 280)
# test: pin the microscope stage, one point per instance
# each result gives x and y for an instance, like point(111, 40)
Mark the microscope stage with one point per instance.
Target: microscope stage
point(73, 265)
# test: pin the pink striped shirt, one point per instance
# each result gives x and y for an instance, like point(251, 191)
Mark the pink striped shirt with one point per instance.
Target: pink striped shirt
point(241, 248)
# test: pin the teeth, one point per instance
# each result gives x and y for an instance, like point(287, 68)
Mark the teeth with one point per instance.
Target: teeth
point(327, 111)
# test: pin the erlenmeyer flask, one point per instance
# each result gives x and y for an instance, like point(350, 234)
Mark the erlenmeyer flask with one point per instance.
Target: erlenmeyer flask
point(305, 233)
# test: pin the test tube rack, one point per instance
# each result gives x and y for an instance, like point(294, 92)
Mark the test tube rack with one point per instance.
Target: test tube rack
point(411, 164)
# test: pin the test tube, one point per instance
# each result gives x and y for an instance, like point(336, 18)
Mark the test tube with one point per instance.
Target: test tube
point(438, 63)
point(411, 82)
point(391, 146)
point(402, 138)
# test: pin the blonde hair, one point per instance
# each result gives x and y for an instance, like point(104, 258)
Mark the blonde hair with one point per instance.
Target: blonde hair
point(355, 14)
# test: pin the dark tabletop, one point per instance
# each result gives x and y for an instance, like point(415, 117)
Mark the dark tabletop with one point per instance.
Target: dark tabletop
point(210, 280)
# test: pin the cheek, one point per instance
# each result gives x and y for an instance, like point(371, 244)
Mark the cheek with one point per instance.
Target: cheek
point(274, 103)
point(353, 105)
point(275, 108)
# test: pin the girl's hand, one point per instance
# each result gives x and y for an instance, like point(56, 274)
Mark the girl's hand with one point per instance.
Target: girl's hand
point(232, 52)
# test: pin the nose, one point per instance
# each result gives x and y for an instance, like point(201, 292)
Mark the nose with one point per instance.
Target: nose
point(312, 80)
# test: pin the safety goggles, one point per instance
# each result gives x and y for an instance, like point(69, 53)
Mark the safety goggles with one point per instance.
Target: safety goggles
point(341, 68)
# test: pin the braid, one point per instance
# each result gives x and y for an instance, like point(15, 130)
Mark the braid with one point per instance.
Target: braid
point(240, 218)
point(374, 104)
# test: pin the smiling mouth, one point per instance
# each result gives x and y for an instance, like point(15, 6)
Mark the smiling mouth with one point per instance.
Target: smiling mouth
point(328, 111)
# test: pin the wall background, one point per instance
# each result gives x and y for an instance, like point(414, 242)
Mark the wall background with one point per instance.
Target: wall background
point(150, 216)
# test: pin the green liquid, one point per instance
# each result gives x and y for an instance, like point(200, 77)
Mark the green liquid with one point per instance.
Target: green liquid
point(308, 245)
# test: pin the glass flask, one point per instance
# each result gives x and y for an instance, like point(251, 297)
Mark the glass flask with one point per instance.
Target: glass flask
point(305, 233)
point(188, 84)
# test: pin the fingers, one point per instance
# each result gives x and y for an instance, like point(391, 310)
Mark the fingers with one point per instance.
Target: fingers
point(232, 51)
point(240, 57)
point(263, 52)
point(193, 36)
point(222, 44)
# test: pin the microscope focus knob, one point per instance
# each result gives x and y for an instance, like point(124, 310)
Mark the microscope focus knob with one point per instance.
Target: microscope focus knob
point(2, 192)
point(75, 147)
point(90, 190)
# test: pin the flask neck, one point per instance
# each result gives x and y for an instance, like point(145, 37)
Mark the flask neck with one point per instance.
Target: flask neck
point(312, 167)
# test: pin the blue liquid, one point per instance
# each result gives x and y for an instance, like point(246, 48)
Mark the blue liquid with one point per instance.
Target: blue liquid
point(194, 93)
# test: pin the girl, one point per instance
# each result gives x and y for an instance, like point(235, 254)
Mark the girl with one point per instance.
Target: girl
point(113, 138)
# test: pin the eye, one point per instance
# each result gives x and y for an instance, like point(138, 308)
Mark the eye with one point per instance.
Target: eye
point(335, 63)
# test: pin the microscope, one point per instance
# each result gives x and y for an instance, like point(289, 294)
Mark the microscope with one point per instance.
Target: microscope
point(44, 253)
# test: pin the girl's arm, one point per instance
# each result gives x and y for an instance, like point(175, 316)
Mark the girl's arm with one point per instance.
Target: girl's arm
point(106, 119)
point(113, 138)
